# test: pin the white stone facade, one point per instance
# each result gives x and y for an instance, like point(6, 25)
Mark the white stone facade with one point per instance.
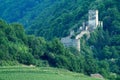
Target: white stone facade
point(87, 27)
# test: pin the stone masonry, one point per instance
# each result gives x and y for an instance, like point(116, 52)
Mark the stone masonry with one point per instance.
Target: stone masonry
point(87, 27)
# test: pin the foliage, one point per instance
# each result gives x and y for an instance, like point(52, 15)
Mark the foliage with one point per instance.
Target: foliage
point(8, 63)
point(49, 19)
point(28, 49)
point(55, 18)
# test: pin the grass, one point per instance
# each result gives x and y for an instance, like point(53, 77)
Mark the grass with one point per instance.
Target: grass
point(42, 73)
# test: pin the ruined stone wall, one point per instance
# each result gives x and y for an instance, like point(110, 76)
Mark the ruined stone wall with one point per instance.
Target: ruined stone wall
point(86, 28)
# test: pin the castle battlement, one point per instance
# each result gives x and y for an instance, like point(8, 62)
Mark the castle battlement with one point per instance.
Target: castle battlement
point(87, 27)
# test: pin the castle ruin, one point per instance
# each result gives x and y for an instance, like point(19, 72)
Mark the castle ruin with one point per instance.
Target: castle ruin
point(87, 27)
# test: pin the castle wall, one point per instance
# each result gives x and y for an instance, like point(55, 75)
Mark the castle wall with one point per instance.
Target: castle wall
point(68, 42)
point(86, 28)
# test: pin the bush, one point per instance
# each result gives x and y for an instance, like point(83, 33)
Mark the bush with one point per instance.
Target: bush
point(25, 58)
point(8, 63)
point(41, 63)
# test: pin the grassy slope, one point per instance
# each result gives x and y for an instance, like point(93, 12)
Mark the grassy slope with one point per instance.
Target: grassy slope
point(33, 73)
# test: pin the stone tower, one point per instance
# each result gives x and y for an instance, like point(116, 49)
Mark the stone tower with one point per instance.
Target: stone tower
point(93, 19)
point(87, 27)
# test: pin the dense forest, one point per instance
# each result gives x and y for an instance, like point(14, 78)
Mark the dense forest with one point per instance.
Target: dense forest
point(55, 18)
point(46, 21)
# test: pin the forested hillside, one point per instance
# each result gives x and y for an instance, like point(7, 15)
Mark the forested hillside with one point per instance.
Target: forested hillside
point(55, 18)
point(18, 48)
